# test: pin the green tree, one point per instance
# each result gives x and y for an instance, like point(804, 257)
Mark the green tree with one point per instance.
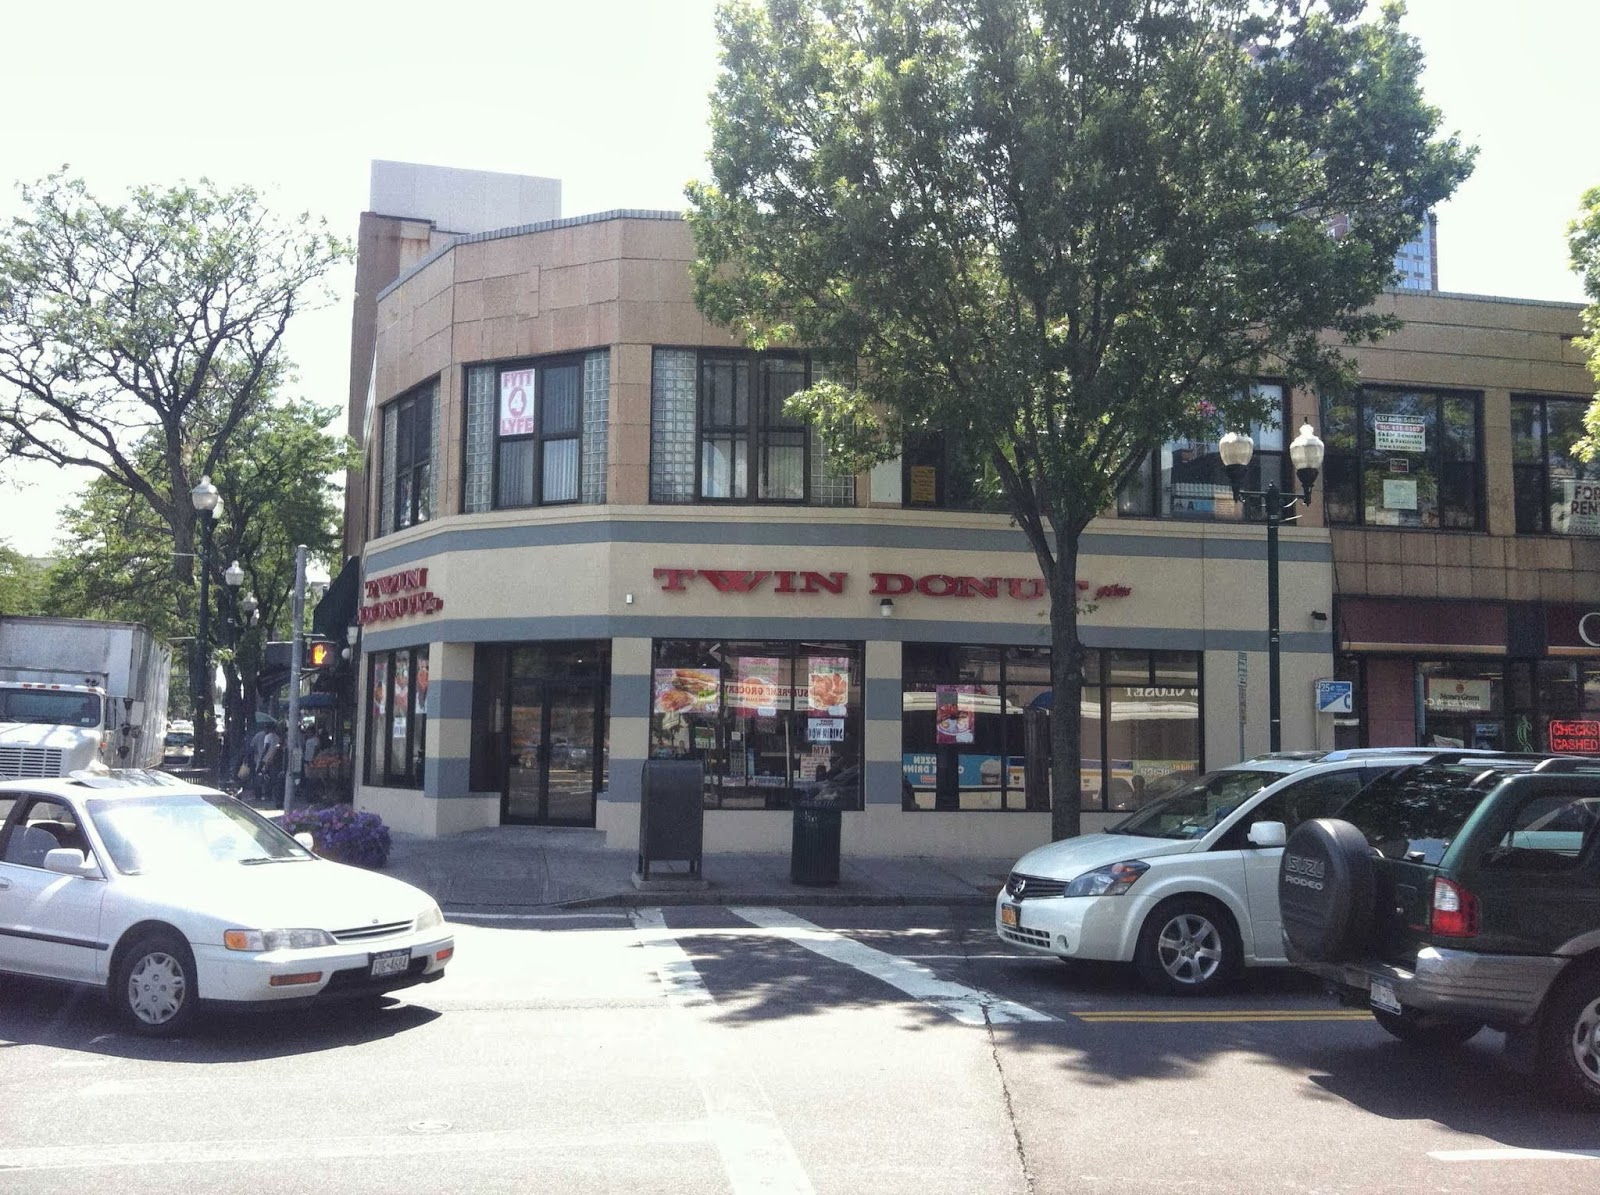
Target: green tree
point(276, 482)
point(1583, 240)
point(137, 338)
point(21, 582)
point(1063, 231)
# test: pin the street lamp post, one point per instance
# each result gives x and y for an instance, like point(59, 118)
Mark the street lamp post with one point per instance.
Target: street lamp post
point(207, 504)
point(1305, 453)
point(233, 575)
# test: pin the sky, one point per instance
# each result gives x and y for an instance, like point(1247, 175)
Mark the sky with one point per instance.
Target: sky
point(610, 96)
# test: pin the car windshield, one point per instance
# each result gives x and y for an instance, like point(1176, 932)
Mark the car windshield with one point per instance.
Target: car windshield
point(179, 739)
point(179, 832)
point(1198, 807)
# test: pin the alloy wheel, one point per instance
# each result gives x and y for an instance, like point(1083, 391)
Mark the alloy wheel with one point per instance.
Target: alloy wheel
point(1190, 948)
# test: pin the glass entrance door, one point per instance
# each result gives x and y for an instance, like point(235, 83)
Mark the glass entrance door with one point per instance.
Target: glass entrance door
point(551, 757)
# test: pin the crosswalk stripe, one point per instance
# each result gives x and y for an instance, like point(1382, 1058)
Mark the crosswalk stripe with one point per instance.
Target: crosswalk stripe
point(1265, 1014)
point(969, 1005)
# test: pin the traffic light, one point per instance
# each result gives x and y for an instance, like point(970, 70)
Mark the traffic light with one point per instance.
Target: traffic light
point(319, 653)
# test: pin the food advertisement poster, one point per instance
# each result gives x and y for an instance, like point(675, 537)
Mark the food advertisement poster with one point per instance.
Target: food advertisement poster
point(953, 714)
point(754, 691)
point(829, 684)
point(685, 690)
point(380, 686)
point(921, 768)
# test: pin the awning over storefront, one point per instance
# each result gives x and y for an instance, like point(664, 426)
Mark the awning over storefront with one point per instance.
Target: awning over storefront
point(337, 610)
point(1409, 625)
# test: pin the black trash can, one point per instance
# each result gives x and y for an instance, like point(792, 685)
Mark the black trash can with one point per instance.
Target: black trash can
point(814, 856)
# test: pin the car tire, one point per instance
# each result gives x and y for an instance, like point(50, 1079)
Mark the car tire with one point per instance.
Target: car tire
point(1188, 946)
point(1570, 1042)
point(1426, 1031)
point(1327, 890)
point(153, 986)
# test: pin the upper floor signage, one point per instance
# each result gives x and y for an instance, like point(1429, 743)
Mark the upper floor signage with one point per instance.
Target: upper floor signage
point(1572, 630)
point(806, 581)
point(397, 594)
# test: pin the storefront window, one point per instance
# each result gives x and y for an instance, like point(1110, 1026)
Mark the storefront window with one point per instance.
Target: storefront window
point(976, 725)
point(1556, 493)
point(1403, 458)
point(1463, 704)
point(397, 687)
point(772, 721)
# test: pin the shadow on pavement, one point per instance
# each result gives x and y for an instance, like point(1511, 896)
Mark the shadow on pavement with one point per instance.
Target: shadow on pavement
point(40, 1012)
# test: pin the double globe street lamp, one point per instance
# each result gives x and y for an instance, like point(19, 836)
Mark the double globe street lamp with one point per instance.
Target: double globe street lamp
point(1305, 453)
point(207, 502)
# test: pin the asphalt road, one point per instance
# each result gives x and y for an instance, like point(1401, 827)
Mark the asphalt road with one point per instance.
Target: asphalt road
point(763, 1050)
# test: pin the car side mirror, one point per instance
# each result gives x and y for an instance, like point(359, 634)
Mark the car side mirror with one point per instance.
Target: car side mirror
point(1268, 834)
point(304, 839)
point(69, 861)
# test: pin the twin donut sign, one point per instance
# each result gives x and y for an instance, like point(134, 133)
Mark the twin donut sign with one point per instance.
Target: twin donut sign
point(397, 595)
point(805, 581)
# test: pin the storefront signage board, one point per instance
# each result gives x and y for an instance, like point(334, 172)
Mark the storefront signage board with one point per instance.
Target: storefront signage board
point(1574, 736)
point(890, 585)
point(1399, 433)
point(1448, 695)
point(395, 595)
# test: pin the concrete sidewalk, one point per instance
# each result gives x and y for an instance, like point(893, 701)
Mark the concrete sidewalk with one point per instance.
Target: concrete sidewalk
point(525, 868)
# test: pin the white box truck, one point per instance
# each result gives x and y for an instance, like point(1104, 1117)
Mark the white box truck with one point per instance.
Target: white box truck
point(77, 694)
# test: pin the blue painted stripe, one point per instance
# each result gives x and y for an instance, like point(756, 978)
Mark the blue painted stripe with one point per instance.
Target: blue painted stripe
point(450, 699)
point(883, 699)
point(885, 782)
point(886, 532)
point(447, 776)
point(630, 696)
point(700, 626)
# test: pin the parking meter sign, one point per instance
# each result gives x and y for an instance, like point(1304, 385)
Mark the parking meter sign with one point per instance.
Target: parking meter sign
point(1335, 697)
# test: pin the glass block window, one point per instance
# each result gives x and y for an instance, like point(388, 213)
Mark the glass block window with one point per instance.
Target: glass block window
point(596, 420)
point(536, 432)
point(386, 474)
point(672, 425)
point(719, 431)
point(478, 474)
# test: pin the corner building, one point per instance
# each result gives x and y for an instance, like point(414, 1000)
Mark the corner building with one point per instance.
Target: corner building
point(591, 537)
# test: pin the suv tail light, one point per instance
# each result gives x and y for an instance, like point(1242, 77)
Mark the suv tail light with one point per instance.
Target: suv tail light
point(1455, 910)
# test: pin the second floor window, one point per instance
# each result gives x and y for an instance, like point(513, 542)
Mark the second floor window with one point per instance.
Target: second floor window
point(1185, 479)
point(1556, 493)
point(1403, 458)
point(719, 431)
point(536, 432)
point(410, 449)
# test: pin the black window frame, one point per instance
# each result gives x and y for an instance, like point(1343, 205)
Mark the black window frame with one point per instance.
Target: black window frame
point(1337, 464)
point(1538, 512)
point(419, 472)
point(540, 436)
point(755, 431)
point(1257, 474)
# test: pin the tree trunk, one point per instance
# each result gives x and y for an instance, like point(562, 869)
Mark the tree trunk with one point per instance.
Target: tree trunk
point(1066, 676)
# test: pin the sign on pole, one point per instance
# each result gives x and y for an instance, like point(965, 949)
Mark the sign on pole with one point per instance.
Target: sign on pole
point(1336, 697)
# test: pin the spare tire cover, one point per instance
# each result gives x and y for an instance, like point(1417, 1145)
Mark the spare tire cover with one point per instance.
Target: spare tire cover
point(1325, 890)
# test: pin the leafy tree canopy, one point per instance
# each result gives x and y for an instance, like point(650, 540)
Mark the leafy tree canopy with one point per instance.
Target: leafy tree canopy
point(1063, 230)
point(1583, 239)
point(138, 339)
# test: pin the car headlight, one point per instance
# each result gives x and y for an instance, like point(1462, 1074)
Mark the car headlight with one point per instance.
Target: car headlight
point(258, 940)
point(1113, 880)
point(431, 917)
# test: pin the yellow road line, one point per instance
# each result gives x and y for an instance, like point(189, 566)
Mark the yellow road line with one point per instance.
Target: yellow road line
point(1226, 1016)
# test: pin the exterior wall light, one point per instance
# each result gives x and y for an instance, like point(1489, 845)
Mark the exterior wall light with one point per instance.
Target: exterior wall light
point(886, 607)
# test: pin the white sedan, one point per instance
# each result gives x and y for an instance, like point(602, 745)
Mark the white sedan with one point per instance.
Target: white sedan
point(168, 894)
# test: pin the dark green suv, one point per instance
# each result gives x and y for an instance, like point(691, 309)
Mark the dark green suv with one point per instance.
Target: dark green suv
point(1450, 896)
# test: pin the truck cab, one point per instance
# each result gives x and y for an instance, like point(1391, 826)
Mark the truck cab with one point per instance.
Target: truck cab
point(52, 729)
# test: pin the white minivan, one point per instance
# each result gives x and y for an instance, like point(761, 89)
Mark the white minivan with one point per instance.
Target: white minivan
point(1186, 887)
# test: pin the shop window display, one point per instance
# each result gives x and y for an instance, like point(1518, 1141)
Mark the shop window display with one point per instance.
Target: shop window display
point(772, 721)
point(976, 726)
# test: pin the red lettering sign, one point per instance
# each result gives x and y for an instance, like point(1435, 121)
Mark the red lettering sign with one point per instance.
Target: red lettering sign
point(1574, 736)
point(395, 595)
point(933, 585)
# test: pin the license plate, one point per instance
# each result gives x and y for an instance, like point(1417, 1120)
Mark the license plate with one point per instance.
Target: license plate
point(391, 962)
point(1383, 997)
point(1010, 915)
